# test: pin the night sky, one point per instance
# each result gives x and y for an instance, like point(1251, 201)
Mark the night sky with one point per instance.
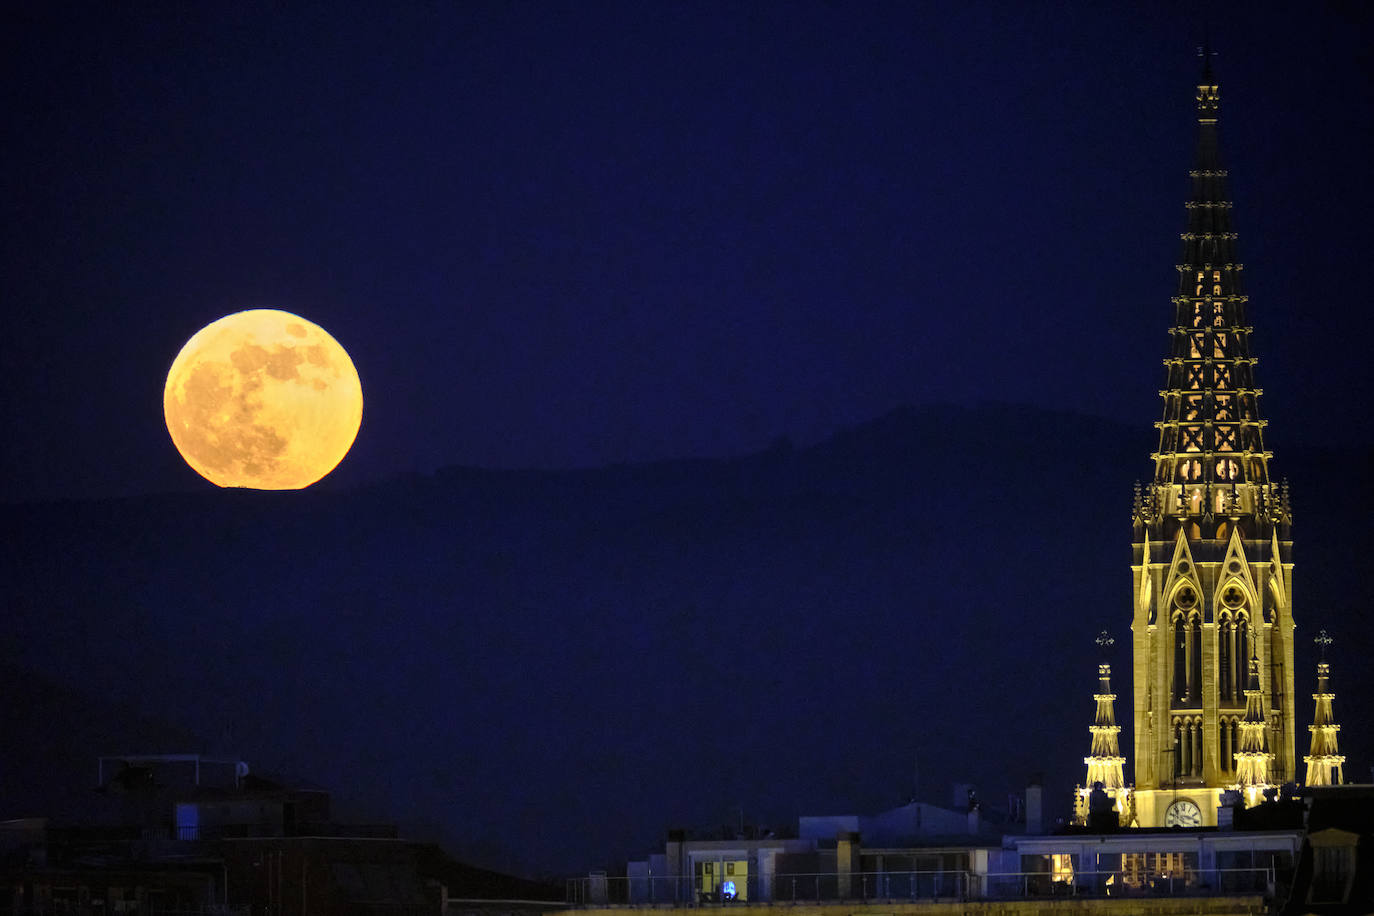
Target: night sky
point(567, 235)
point(563, 236)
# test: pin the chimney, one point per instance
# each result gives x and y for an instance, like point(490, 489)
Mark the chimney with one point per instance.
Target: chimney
point(1226, 811)
point(673, 852)
point(1035, 806)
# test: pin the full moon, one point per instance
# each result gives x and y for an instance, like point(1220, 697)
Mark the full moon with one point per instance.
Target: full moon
point(263, 399)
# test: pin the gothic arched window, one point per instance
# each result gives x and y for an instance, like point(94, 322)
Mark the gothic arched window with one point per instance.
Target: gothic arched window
point(1225, 653)
point(1195, 657)
point(1180, 658)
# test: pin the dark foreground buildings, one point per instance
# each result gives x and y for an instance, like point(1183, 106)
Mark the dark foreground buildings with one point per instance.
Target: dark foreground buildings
point(164, 834)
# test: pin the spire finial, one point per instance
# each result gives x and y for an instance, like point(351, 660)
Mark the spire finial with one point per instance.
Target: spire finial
point(1205, 52)
point(1323, 639)
point(1104, 642)
point(1208, 97)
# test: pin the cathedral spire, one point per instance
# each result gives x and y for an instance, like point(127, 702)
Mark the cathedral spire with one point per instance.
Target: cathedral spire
point(1212, 551)
point(1325, 760)
point(1253, 755)
point(1211, 455)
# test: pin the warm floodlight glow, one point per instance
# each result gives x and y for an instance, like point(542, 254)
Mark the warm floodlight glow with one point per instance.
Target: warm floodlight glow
point(263, 399)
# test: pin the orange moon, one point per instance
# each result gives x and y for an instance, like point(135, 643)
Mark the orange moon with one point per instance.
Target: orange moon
point(263, 399)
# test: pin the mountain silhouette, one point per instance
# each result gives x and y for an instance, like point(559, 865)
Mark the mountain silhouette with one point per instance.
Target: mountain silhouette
point(546, 669)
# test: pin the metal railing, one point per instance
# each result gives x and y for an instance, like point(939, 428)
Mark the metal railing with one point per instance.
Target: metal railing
point(63, 908)
point(1191, 883)
point(640, 890)
point(598, 890)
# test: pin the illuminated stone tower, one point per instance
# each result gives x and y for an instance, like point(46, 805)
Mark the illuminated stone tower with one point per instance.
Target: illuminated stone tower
point(1104, 760)
point(1325, 761)
point(1211, 567)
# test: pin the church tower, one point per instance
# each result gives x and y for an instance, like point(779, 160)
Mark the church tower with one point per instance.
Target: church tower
point(1212, 565)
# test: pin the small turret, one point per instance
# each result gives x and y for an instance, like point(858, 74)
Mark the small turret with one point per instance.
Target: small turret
point(1325, 761)
point(1253, 758)
point(1104, 761)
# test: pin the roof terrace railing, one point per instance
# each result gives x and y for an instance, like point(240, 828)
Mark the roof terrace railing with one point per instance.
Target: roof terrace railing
point(714, 890)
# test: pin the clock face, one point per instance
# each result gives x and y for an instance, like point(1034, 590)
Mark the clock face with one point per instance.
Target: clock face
point(1183, 814)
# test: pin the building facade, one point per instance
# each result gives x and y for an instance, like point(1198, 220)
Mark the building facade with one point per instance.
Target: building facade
point(1212, 624)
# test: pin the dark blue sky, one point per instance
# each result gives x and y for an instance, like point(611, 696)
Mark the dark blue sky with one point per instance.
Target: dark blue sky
point(569, 234)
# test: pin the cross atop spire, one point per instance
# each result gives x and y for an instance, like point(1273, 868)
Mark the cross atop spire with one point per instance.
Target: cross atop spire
point(1205, 53)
